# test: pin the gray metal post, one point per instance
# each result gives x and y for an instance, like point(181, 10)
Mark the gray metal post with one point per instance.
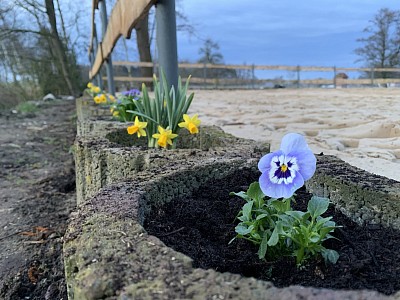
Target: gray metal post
point(95, 46)
point(166, 41)
point(110, 73)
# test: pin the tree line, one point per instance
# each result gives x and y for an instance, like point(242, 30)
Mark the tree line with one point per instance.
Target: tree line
point(42, 43)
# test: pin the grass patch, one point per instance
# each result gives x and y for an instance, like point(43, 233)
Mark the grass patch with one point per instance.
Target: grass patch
point(27, 107)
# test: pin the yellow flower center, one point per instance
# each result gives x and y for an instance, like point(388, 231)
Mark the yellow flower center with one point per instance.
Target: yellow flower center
point(133, 129)
point(162, 141)
point(192, 128)
point(284, 168)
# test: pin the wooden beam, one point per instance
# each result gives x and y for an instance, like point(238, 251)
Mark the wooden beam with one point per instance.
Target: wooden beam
point(124, 17)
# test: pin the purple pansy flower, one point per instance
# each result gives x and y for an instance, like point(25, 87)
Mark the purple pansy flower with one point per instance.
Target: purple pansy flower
point(134, 93)
point(284, 171)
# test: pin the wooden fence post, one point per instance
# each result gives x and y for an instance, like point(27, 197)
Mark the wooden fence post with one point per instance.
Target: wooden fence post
point(166, 41)
point(205, 75)
point(372, 76)
point(110, 73)
point(334, 77)
point(298, 77)
point(253, 77)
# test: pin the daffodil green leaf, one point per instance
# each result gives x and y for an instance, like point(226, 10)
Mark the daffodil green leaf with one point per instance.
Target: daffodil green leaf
point(317, 206)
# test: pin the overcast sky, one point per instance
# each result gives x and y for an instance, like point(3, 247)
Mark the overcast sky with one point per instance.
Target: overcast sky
point(282, 32)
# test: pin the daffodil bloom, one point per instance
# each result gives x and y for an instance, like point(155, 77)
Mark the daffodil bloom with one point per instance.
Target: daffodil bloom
point(89, 85)
point(190, 123)
point(111, 97)
point(95, 89)
point(97, 99)
point(138, 128)
point(285, 171)
point(164, 137)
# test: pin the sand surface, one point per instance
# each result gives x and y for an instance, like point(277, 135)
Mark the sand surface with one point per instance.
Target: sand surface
point(360, 126)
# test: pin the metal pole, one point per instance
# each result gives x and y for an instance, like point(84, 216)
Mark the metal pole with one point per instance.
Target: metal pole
point(110, 75)
point(166, 41)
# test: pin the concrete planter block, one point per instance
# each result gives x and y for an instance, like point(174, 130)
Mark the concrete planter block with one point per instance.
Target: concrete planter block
point(109, 255)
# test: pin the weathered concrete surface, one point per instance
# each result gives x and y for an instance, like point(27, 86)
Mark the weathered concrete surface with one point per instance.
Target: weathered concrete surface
point(106, 153)
point(362, 196)
point(108, 254)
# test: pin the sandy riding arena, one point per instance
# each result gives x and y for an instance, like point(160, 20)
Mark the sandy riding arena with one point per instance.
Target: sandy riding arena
point(360, 126)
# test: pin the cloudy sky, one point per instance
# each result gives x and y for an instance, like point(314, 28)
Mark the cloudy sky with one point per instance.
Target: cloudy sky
point(283, 32)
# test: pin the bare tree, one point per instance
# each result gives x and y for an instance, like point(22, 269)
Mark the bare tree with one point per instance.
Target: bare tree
point(381, 47)
point(210, 53)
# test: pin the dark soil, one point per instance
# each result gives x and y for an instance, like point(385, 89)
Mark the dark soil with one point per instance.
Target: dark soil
point(37, 194)
point(202, 225)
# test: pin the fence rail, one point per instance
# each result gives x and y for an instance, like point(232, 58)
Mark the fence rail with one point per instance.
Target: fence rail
point(252, 82)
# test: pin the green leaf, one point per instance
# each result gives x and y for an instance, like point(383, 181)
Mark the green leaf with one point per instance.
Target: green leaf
point(142, 115)
point(254, 191)
point(241, 194)
point(279, 205)
point(317, 206)
point(243, 230)
point(298, 215)
point(262, 216)
point(263, 246)
point(274, 239)
point(330, 255)
point(247, 210)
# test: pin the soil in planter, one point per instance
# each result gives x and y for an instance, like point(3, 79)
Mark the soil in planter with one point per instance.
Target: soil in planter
point(202, 225)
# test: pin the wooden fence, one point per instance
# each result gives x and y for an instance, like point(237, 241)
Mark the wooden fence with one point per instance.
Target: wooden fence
point(126, 14)
point(203, 78)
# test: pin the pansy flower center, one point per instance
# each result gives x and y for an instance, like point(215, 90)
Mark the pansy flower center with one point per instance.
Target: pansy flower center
point(283, 169)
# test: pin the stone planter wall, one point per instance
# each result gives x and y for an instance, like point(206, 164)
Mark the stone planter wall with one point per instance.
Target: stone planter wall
point(108, 254)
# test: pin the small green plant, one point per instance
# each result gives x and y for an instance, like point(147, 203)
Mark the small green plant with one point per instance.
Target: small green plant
point(271, 223)
point(27, 107)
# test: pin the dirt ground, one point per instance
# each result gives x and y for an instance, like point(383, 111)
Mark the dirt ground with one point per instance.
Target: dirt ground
point(37, 194)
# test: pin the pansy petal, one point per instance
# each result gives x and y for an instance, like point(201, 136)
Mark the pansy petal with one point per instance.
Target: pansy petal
point(293, 142)
point(265, 162)
point(280, 190)
point(306, 161)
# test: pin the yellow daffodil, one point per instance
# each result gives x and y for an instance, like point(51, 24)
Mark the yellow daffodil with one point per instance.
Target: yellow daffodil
point(138, 128)
point(164, 137)
point(112, 98)
point(97, 99)
point(89, 85)
point(95, 89)
point(115, 113)
point(190, 123)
